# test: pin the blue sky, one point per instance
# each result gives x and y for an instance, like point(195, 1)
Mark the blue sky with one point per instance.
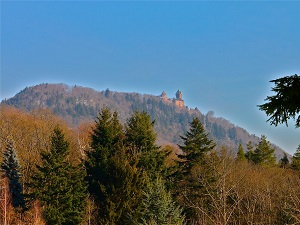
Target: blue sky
point(221, 55)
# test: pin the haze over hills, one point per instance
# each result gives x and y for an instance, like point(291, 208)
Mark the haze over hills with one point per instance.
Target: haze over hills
point(77, 104)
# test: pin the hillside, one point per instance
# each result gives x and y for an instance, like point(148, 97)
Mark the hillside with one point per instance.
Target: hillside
point(77, 104)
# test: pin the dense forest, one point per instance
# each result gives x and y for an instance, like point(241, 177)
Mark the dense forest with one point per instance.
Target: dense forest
point(108, 172)
point(77, 105)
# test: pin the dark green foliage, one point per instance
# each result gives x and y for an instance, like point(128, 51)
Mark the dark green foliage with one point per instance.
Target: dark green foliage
point(12, 170)
point(285, 104)
point(121, 192)
point(139, 133)
point(250, 152)
point(140, 138)
point(157, 206)
point(264, 153)
point(59, 185)
point(114, 180)
point(284, 161)
point(195, 145)
point(241, 153)
point(107, 132)
point(296, 160)
point(106, 141)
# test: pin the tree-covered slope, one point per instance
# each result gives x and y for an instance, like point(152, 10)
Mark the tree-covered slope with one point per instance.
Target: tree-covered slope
point(77, 104)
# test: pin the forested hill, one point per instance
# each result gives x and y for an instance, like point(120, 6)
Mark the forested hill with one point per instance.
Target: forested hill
point(79, 104)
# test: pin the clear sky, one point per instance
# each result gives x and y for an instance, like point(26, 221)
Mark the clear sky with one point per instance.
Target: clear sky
point(221, 55)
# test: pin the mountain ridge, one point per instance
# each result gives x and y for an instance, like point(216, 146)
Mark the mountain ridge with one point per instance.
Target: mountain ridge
point(77, 104)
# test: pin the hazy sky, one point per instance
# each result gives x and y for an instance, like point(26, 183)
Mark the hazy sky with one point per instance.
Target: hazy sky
point(221, 55)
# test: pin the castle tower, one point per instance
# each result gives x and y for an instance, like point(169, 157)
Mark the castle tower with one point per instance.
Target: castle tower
point(178, 100)
point(164, 95)
point(178, 94)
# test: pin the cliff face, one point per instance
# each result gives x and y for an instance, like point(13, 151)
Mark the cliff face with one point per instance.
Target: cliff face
point(79, 104)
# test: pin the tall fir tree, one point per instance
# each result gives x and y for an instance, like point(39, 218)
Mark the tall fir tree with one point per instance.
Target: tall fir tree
point(250, 152)
point(158, 207)
point(59, 185)
point(192, 164)
point(12, 170)
point(284, 161)
point(264, 153)
point(196, 145)
point(108, 131)
point(295, 165)
point(140, 138)
point(241, 153)
point(106, 140)
point(115, 182)
point(139, 133)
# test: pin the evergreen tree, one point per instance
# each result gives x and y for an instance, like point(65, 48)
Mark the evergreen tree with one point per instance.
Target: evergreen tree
point(196, 145)
point(241, 153)
point(140, 138)
point(59, 185)
point(264, 153)
point(115, 182)
point(107, 132)
point(192, 165)
point(122, 192)
point(285, 104)
point(284, 161)
point(12, 170)
point(140, 134)
point(158, 207)
point(106, 141)
point(250, 152)
point(296, 160)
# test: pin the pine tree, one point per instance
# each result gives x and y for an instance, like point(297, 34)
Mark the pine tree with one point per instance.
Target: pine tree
point(59, 185)
point(284, 161)
point(115, 182)
point(12, 170)
point(264, 153)
point(157, 206)
point(296, 160)
point(241, 153)
point(139, 133)
point(192, 165)
point(106, 141)
point(196, 145)
point(250, 152)
point(107, 132)
point(122, 192)
point(140, 137)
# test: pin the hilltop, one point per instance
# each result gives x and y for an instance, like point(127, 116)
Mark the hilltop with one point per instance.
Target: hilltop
point(76, 104)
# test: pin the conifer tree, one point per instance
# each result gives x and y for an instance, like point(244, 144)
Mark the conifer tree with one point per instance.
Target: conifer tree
point(140, 137)
point(12, 170)
point(296, 160)
point(106, 140)
point(107, 132)
point(192, 165)
point(250, 152)
point(115, 183)
point(139, 132)
point(284, 161)
point(158, 207)
point(264, 153)
point(59, 185)
point(196, 145)
point(241, 153)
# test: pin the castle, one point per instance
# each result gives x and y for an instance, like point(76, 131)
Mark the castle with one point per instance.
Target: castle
point(177, 101)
